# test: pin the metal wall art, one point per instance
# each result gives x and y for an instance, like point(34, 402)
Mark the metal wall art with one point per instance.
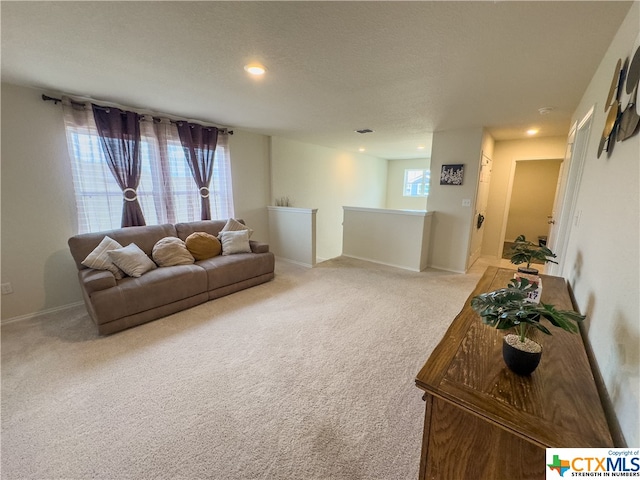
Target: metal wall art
point(621, 107)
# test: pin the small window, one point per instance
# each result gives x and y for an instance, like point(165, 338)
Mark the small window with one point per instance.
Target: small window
point(416, 183)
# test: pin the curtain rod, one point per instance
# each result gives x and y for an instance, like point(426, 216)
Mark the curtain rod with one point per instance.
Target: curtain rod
point(47, 98)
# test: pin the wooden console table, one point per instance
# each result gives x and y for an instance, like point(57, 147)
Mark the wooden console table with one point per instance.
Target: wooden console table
point(484, 422)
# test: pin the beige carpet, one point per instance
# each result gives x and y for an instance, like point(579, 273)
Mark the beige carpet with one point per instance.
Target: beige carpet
point(310, 376)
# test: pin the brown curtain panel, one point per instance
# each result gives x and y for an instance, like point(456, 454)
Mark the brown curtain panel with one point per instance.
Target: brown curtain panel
point(199, 145)
point(119, 133)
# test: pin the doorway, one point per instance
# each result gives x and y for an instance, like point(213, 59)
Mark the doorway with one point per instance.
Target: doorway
point(530, 204)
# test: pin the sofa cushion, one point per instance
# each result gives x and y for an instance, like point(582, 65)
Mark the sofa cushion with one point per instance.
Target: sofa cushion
point(212, 227)
point(258, 247)
point(234, 225)
point(94, 280)
point(235, 242)
point(154, 289)
point(170, 251)
point(132, 260)
point(227, 270)
point(99, 258)
point(144, 237)
point(203, 245)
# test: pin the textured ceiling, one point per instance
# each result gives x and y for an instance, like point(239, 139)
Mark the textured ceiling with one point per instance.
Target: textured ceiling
point(403, 69)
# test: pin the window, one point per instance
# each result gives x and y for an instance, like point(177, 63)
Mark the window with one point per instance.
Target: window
point(416, 183)
point(167, 192)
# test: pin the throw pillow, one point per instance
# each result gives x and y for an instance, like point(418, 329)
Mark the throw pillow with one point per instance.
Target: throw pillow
point(234, 225)
point(171, 251)
point(100, 260)
point(235, 242)
point(132, 260)
point(203, 245)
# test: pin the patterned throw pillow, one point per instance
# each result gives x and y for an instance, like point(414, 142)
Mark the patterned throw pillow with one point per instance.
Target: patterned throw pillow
point(233, 225)
point(100, 260)
point(203, 245)
point(132, 260)
point(170, 251)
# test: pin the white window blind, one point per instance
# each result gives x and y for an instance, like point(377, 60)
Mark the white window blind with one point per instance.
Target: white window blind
point(167, 191)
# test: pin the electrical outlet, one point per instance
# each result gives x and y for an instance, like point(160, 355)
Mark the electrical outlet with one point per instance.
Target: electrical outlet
point(466, 202)
point(6, 288)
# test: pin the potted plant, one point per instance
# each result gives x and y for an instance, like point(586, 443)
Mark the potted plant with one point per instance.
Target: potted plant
point(524, 251)
point(510, 308)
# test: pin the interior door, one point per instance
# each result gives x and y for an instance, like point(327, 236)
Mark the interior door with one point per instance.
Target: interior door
point(482, 199)
point(560, 191)
point(564, 215)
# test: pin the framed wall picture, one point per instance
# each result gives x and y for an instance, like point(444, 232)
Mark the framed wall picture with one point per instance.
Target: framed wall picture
point(452, 174)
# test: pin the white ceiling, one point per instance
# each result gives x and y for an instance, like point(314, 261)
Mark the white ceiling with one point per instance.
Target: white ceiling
point(403, 69)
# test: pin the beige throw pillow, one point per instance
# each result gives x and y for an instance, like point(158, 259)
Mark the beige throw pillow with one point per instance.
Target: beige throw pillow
point(235, 242)
point(170, 251)
point(234, 225)
point(132, 260)
point(100, 260)
point(203, 245)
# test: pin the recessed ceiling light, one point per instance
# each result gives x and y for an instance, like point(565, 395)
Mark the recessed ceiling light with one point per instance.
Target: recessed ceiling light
point(255, 69)
point(420, 147)
point(532, 131)
point(545, 110)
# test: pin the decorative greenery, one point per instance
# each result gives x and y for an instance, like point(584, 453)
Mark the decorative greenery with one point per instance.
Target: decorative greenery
point(524, 251)
point(282, 202)
point(509, 308)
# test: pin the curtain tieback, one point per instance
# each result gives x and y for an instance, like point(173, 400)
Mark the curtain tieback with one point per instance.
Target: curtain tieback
point(204, 192)
point(130, 190)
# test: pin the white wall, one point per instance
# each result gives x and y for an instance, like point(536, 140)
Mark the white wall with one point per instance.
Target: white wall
point(602, 255)
point(292, 234)
point(38, 206)
point(395, 184)
point(451, 222)
point(326, 179)
point(505, 153)
point(251, 183)
point(398, 238)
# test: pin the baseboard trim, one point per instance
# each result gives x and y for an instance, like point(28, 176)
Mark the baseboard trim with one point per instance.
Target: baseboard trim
point(446, 269)
point(382, 263)
point(294, 262)
point(29, 316)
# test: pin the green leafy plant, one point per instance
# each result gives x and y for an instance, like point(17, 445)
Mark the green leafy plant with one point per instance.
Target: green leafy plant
point(524, 251)
point(508, 308)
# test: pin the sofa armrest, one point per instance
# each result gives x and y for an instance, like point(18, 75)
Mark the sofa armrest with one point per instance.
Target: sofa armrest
point(258, 247)
point(94, 280)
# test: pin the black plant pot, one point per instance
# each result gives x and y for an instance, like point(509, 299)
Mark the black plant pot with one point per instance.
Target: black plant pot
point(528, 271)
point(519, 361)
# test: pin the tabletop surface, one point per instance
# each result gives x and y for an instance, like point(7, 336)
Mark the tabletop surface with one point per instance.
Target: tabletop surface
point(557, 406)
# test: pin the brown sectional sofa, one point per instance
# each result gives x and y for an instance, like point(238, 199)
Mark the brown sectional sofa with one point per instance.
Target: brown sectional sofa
point(115, 305)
